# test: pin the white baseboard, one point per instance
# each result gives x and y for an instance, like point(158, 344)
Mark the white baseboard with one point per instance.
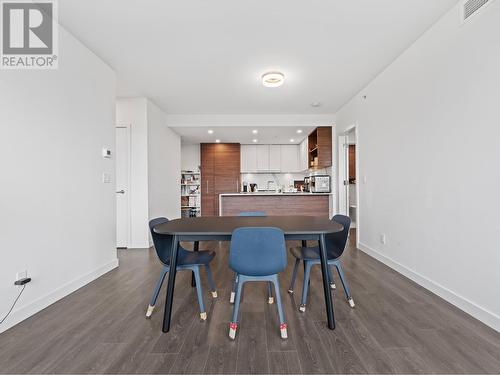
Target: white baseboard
point(139, 245)
point(487, 317)
point(25, 312)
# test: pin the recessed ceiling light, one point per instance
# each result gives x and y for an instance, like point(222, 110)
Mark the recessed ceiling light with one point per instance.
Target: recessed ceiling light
point(254, 140)
point(292, 140)
point(299, 131)
point(255, 131)
point(315, 104)
point(210, 131)
point(273, 79)
point(217, 141)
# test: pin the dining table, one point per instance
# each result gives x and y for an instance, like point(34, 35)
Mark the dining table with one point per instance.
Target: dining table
point(220, 228)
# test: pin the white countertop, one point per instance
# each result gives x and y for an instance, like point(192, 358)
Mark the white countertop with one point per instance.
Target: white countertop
point(273, 194)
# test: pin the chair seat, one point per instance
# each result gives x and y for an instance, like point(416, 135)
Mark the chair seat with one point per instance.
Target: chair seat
point(309, 253)
point(201, 258)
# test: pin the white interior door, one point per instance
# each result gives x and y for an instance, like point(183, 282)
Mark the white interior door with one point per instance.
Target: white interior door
point(122, 185)
point(343, 175)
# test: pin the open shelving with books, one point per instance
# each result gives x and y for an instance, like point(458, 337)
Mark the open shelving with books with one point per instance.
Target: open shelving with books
point(190, 193)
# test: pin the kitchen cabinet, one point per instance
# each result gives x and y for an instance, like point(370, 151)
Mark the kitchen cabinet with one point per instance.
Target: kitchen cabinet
point(303, 156)
point(262, 158)
point(275, 158)
point(248, 158)
point(220, 173)
point(289, 158)
point(320, 147)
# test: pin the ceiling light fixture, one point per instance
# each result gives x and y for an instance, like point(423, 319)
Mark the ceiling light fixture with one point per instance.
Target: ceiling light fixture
point(292, 140)
point(255, 131)
point(254, 140)
point(273, 79)
point(217, 141)
point(315, 104)
point(299, 131)
point(210, 131)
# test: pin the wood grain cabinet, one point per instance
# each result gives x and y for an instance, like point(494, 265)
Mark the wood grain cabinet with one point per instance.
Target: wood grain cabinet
point(220, 173)
point(320, 147)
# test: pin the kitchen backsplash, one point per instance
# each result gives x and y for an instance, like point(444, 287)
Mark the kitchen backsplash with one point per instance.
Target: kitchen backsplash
point(283, 179)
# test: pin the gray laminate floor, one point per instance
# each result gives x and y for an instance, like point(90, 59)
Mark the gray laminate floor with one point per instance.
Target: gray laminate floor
point(396, 327)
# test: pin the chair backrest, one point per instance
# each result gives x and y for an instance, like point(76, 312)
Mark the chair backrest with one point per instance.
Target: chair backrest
point(252, 213)
point(162, 242)
point(335, 242)
point(257, 251)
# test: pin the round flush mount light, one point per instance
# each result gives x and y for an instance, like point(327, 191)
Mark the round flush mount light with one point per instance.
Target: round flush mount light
point(254, 140)
point(315, 104)
point(255, 131)
point(299, 131)
point(217, 141)
point(292, 140)
point(273, 79)
point(210, 131)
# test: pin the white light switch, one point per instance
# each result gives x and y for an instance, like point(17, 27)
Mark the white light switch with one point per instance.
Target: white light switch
point(106, 178)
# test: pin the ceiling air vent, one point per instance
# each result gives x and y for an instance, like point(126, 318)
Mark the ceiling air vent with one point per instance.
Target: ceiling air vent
point(471, 7)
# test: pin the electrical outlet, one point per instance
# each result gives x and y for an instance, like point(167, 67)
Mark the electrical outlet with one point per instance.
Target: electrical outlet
point(106, 178)
point(383, 239)
point(21, 275)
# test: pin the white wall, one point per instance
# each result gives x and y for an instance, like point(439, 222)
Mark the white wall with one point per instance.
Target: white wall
point(432, 183)
point(164, 165)
point(133, 112)
point(56, 215)
point(190, 157)
point(155, 166)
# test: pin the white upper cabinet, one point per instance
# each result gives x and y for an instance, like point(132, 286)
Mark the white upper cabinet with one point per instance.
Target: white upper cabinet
point(275, 158)
point(262, 158)
point(248, 158)
point(289, 158)
point(303, 156)
point(272, 158)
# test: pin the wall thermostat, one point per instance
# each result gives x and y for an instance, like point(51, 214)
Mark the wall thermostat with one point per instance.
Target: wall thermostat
point(106, 153)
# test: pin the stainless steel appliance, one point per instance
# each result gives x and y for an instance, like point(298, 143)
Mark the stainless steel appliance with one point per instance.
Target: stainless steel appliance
point(307, 184)
point(320, 184)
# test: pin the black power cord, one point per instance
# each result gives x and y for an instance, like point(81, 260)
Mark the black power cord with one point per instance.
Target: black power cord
point(17, 298)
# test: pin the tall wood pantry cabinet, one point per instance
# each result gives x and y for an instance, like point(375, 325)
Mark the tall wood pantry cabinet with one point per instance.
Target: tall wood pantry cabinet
point(220, 173)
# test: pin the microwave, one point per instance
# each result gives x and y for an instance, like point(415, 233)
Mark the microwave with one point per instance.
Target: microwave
point(320, 184)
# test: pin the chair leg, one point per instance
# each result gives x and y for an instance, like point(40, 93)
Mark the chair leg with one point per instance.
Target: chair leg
point(270, 298)
point(156, 291)
point(281, 314)
point(330, 276)
point(233, 290)
point(344, 284)
point(233, 326)
point(199, 292)
point(294, 275)
point(305, 285)
point(211, 281)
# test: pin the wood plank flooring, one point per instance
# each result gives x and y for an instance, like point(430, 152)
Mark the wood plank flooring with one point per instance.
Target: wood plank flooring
point(396, 327)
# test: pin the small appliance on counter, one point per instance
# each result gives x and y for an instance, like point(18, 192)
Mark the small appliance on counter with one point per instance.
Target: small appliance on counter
point(245, 187)
point(253, 188)
point(319, 184)
point(307, 184)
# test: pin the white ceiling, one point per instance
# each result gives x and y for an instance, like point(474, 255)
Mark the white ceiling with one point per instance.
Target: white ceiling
point(207, 56)
point(243, 134)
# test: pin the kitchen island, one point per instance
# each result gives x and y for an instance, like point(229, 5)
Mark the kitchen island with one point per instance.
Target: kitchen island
point(275, 204)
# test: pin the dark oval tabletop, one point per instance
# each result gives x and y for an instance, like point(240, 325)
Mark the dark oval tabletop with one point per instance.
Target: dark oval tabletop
point(225, 225)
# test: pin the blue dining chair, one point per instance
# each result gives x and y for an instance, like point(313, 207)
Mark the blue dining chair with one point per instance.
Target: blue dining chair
point(335, 246)
point(186, 260)
point(270, 298)
point(257, 254)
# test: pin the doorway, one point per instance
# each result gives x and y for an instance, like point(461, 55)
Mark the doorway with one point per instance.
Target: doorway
point(122, 186)
point(348, 176)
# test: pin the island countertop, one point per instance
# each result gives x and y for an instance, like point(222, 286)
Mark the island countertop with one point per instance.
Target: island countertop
point(275, 204)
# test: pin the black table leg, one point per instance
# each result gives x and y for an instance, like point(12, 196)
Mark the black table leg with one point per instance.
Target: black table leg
point(196, 247)
point(171, 283)
point(326, 282)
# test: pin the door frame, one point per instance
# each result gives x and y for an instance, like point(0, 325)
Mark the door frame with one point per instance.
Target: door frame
point(129, 180)
point(354, 127)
